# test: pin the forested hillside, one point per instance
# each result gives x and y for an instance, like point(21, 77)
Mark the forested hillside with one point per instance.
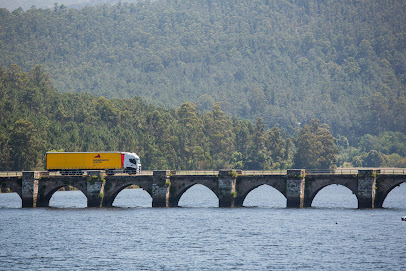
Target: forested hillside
point(343, 62)
point(35, 118)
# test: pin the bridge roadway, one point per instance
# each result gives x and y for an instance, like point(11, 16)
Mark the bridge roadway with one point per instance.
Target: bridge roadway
point(370, 186)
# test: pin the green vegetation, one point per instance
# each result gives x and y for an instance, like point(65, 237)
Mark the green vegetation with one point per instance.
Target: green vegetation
point(164, 138)
point(233, 174)
point(316, 147)
point(36, 118)
point(343, 62)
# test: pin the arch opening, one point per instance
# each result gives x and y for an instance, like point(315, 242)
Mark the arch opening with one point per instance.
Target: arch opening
point(132, 197)
point(335, 196)
point(198, 195)
point(68, 197)
point(396, 198)
point(10, 199)
point(265, 196)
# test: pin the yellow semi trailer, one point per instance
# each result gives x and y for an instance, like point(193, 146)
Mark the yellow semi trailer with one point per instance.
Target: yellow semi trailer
point(80, 162)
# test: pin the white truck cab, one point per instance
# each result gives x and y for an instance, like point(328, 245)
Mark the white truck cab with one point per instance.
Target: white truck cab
point(132, 162)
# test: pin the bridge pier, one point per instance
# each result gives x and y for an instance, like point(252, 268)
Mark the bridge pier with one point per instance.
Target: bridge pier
point(29, 189)
point(366, 188)
point(226, 188)
point(95, 189)
point(161, 186)
point(295, 184)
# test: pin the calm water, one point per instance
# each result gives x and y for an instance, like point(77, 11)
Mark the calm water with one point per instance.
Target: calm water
point(332, 235)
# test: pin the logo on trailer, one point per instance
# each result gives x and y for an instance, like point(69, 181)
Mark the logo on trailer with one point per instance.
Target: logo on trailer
point(98, 160)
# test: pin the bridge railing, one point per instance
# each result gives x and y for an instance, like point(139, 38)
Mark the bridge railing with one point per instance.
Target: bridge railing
point(355, 171)
point(146, 173)
point(194, 172)
point(11, 174)
point(240, 172)
point(393, 171)
point(262, 172)
point(339, 171)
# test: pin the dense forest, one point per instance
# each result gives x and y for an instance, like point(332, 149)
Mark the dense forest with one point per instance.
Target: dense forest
point(294, 70)
point(343, 62)
point(35, 118)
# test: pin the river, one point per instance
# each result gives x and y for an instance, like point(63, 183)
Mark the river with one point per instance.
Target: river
point(263, 235)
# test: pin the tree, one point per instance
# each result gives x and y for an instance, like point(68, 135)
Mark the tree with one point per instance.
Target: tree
point(315, 147)
point(190, 135)
point(220, 135)
point(374, 159)
point(26, 147)
point(5, 153)
point(258, 155)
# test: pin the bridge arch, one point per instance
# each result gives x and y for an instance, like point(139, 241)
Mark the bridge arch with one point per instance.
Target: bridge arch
point(245, 184)
point(349, 199)
point(315, 184)
point(274, 190)
point(109, 199)
point(385, 188)
point(176, 199)
point(46, 198)
point(113, 186)
point(10, 200)
point(13, 185)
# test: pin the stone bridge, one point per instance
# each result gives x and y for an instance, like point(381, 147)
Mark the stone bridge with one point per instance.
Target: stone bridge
point(230, 186)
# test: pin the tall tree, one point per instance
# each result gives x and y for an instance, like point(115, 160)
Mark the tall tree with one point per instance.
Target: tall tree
point(26, 147)
point(315, 147)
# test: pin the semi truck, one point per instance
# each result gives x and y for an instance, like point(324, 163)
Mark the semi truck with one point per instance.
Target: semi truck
point(78, 163)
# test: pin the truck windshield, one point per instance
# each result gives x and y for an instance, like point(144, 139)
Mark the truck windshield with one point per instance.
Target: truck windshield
point(133, 161)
